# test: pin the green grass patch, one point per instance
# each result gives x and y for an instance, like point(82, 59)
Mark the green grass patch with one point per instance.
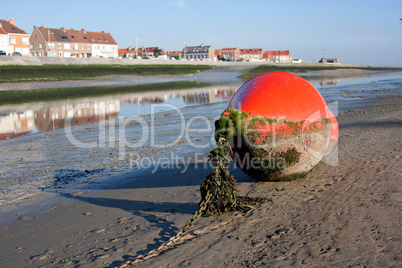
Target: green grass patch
point(25, 96)
point(18, 73)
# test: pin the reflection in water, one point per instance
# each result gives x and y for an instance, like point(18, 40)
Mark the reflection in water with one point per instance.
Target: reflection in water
point(329, 82)
point(49, 116)
point(347, 78)
point(89, 112)
point(16, 124)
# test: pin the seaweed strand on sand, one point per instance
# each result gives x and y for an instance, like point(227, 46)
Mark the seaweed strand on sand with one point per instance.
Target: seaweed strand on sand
point(218, 195)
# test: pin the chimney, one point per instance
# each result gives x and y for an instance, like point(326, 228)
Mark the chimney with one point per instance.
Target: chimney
point(63, 28)
point(202, 44)
point(83, 31)
point(13, 22)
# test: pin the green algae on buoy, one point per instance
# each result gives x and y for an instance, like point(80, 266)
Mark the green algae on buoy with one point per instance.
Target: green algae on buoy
point(278, 127)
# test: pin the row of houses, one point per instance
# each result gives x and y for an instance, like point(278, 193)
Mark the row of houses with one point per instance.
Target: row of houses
point(62, 42)
point(255, 54)
point(207, 52)
point(50, 42)
point(203, 52)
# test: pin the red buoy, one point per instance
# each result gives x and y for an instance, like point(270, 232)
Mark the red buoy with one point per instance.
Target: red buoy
point(279, 127)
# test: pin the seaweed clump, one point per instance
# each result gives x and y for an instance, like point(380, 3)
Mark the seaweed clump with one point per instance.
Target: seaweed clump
point(219, 187)
point(218, 191)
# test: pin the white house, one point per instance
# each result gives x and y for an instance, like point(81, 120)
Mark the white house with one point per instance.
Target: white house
point(12, 38)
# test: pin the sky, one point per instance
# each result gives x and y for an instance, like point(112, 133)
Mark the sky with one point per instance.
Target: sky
point(354, 31)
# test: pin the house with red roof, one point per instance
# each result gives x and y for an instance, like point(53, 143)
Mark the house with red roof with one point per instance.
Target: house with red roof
point(50, 42)
point(150, 51)
point(217, 53)
point(251, 54)
point(12, 38)
point(129, 52)
point(177, 54)
point(140, 52)
point(232, 53)
point(277, 56)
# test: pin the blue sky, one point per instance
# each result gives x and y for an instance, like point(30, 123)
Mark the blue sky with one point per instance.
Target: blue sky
point(355, 31)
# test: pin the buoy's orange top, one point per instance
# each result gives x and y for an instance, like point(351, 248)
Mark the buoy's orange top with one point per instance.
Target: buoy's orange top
point(280, 96)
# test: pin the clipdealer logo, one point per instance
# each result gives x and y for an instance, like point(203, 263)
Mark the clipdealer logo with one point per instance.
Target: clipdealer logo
point(116, 131)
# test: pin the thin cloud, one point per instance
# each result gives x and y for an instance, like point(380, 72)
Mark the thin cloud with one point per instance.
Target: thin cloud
point(179, 3)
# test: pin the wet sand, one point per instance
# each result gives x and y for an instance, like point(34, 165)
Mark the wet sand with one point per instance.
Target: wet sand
point(344, 215)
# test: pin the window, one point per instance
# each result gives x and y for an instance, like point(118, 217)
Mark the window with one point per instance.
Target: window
point(93, 39)
point(41, 45)
point(59, 45)
point(72, 36)
point(25, 40)
point(32, 46)
point(64, 37)
point(105, 40)
point(13, 40)
point(99, 40)
point(66, 46)
point(85, 37)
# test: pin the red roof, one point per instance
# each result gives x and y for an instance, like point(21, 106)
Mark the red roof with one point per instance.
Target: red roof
point(229, 49)
point(126, 51)
point(150, 49)
point(76, 36)
point(251, 51)
point(174, 52)
point(11, 28)
point(101, 38)
point(275, 53)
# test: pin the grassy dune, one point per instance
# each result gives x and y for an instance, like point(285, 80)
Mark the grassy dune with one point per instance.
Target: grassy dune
point(18, 73)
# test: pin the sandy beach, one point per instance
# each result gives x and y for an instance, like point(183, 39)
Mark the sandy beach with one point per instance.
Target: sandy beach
point(103, 206)
point(344, 215)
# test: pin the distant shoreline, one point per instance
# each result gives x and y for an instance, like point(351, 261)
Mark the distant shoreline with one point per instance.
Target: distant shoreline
point(8, 60)
point(32, 69)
